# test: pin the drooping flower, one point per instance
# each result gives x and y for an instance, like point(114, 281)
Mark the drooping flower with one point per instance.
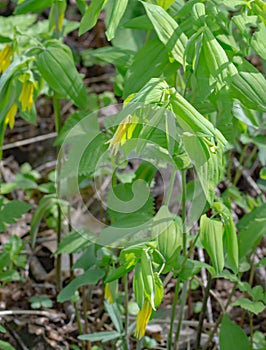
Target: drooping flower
point(123, 133)
point(26, 95)
point(108, 294)
point(143, 317)
point(5, 57)
point(10, 117)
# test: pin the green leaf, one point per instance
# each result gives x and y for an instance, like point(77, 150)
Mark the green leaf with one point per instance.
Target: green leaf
point(252, 227)
point(151, 61)
point(21, 22)
point(231, 245)
point(91, 15)
point(211, 236)
point(32, 6)
point(11, 211)
point(252, 306)
point(44, 206)
point(100, 336)
point(115, 315)
point(57, 67)
point(91, 276)
point(120, 271)
point(167, 30)
point(248, 86)
point(2, 329)
point(9, 86)
point(191, 120)
point(232, 336)
point(159, 290)
point(5, 346)
point(208, 161)
point(148, 277)
point(120, 58)
point(118, 10)
point(192, 268)
point(41, 301)
point(263, 173)
point(212, 66)
point(10, 276)
point(130, 199)
point(258, 42)
point(138, 285)
point(73, 242)
point(140, 22)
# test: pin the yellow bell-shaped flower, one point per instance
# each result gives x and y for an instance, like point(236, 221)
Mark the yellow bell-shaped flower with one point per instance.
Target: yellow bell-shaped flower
point(108, 294)
point(143, 317)
point(10, 117)
point(5, 57)
point(26, 95)
point(123, 132)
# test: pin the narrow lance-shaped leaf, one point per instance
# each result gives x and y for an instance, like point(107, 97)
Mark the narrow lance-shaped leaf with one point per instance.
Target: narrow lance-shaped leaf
point(211, 236)
point(208, 162)
point(91, 276)
point(91, 15)
point(138, 285)
point(151, 61)
point(247, 85)
point(231, 245)
point(43, 207)
point(252, 227)
point(167, 30)
point(192, 121)
point(32, 6)
point(118, 9)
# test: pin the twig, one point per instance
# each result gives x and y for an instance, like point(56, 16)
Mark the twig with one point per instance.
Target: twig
point(203, 311)
point(247, 176)
point(29, 141)
point(220, 318)
point(18, 339)
point(48, 314)
point(205, 282)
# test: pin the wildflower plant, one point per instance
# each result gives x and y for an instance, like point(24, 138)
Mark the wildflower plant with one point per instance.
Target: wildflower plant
point(190, 95)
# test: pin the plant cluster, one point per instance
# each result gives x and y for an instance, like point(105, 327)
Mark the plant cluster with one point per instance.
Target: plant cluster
point(194, 107)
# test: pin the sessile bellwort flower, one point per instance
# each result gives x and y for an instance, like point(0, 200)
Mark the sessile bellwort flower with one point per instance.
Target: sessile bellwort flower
point(123, 133)
point(26, 95)
point(108, 294)
point(5, 58)
point(10, 117)
point(143, 317)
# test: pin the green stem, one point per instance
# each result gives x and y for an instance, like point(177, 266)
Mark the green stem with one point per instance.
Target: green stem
point(58, 125)
point(251, 329)
point(57, 113)
point(2, 135)
point(203, 311)
point(170, 334)
point(184, 199)
point(126, 311)
point(71, 257)
point(170, 188)
point(85, 309)
point(181, 313)
point(219, 320)
point(79, 323)
point(139, 344)
point(242, 163)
